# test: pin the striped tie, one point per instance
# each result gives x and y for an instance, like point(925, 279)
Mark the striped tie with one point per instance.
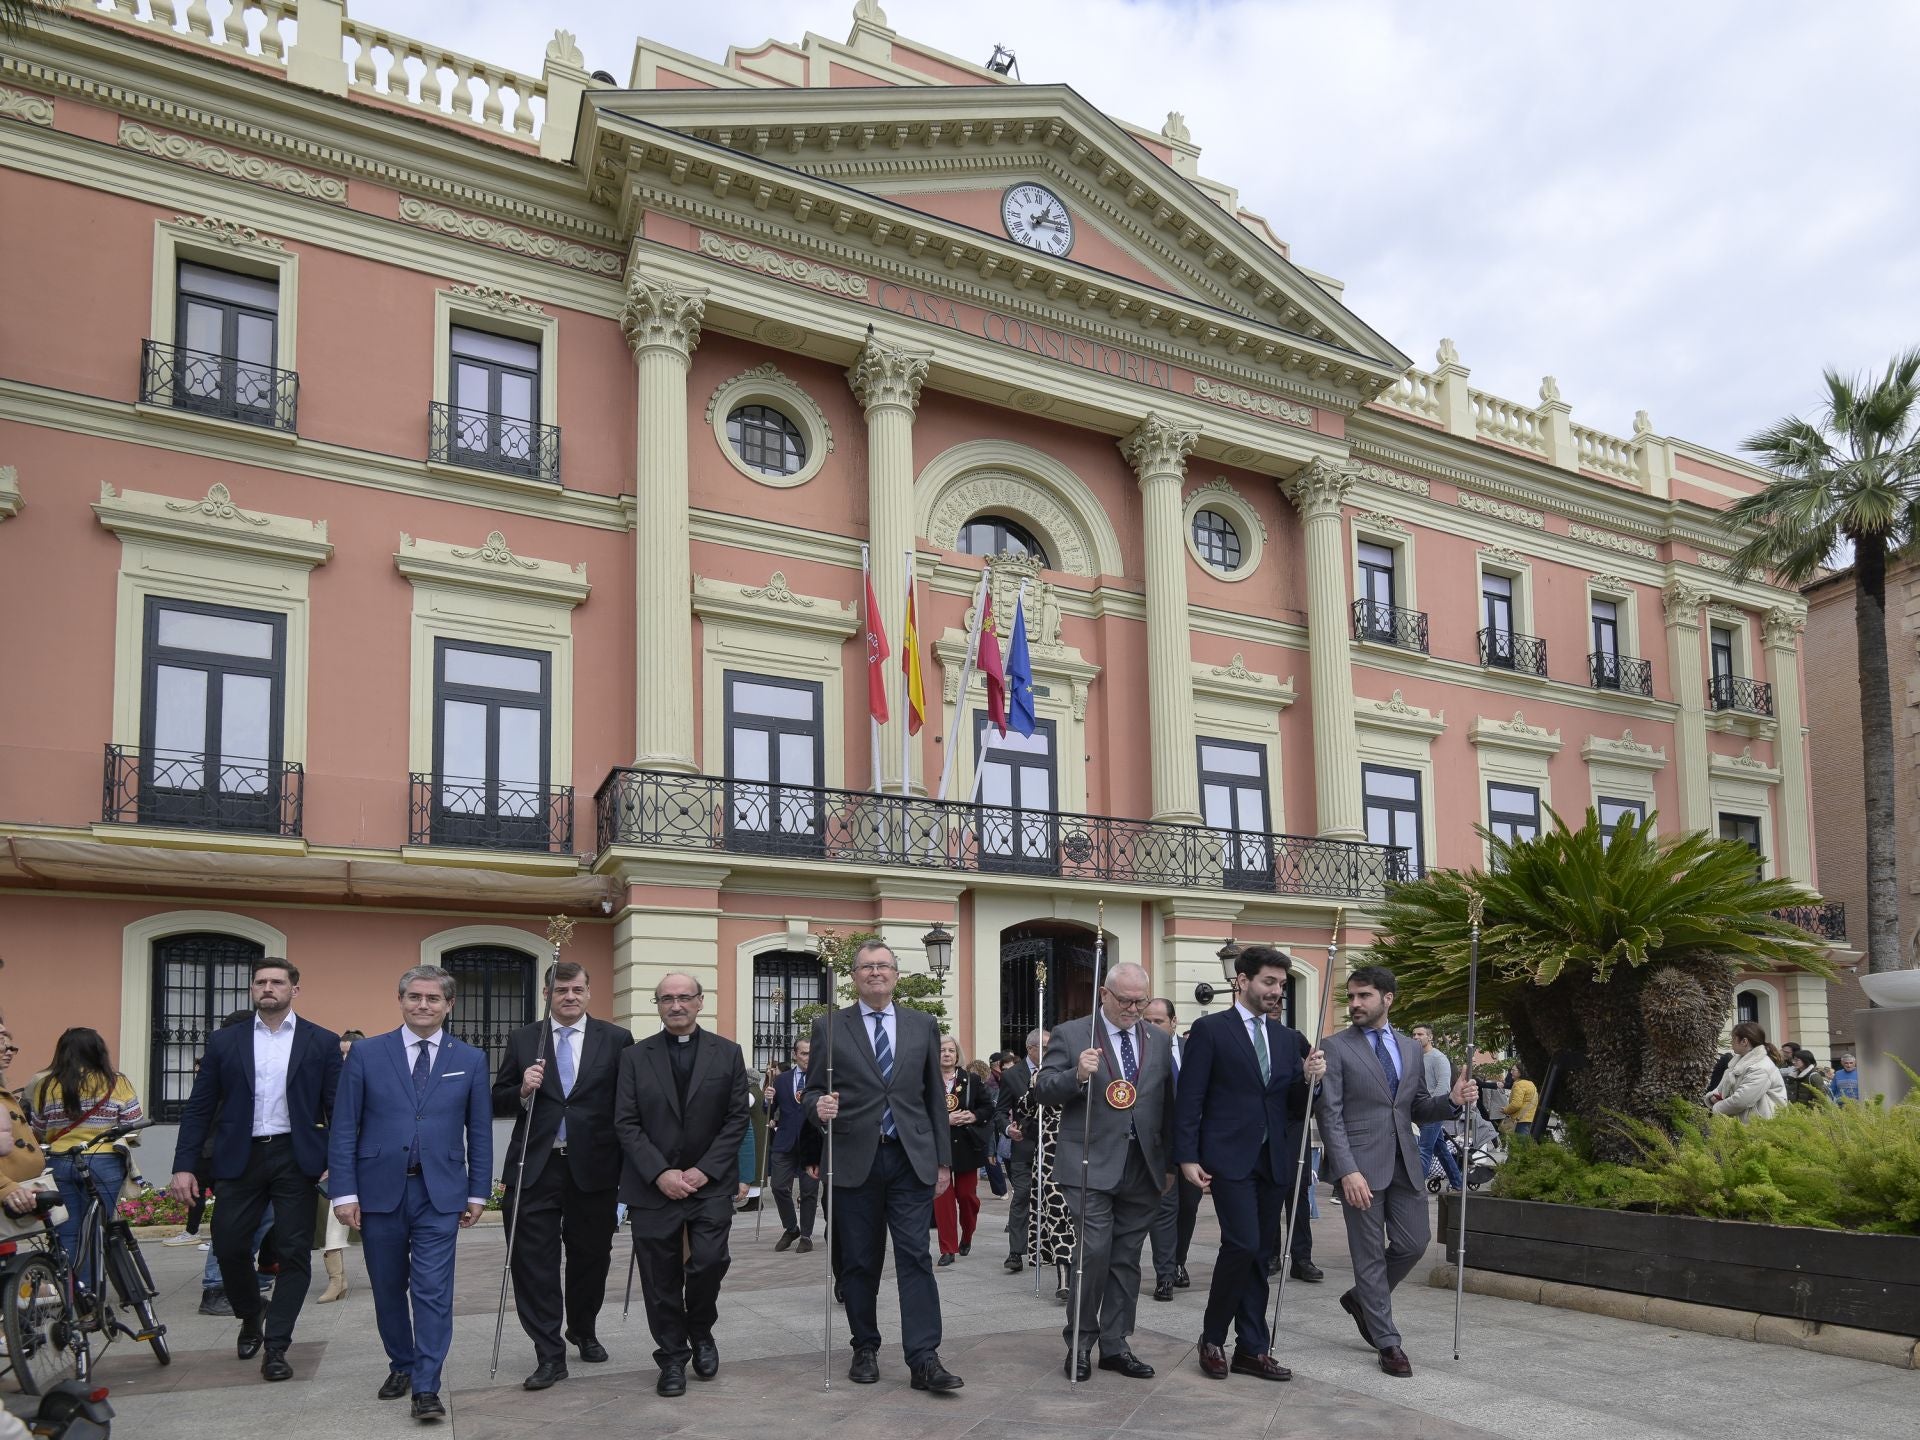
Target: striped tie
point(883, 1056)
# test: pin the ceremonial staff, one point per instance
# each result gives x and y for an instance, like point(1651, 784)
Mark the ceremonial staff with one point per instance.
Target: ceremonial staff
point(1086, 1150)
point(1476, 912)
point(559, 932)
point(1306, 1123)
point(826, 1320)
point(1033, 1106)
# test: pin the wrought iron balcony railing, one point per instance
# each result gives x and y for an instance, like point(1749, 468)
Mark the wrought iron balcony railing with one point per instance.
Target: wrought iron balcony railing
point(1625, 673)
point(490, 814)
point(1390, 625)
point(202, 792)
point(218, 385)
point(1828, 921)
point(1738, 692)
point(485, 440)
point(705, 812)
point(1505, 650)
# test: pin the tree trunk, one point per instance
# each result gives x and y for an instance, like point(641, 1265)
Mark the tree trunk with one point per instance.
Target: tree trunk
point(1876, 752)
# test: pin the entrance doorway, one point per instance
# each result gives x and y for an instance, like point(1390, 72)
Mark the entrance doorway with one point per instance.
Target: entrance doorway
point(1060, 950)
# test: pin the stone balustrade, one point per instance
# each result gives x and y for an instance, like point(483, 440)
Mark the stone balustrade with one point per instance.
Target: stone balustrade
point(1507, 422)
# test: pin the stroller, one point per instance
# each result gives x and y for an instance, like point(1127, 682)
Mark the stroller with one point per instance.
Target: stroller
point(1477, 1158)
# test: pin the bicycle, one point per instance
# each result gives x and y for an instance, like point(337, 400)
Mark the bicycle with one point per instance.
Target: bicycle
point(46, 1308)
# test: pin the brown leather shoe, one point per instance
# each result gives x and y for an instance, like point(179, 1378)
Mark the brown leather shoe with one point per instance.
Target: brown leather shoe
point(1350, 1303)
point(1394, 1361)
point(1264, 1367)
point(1213, 1361)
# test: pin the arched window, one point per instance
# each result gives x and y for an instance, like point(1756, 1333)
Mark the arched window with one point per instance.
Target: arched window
point(784, 981)
point(1215, 537)
point(1746, 1008)
point(997, 535)
point(493, 995)
point(198, 980)
point(766, 440)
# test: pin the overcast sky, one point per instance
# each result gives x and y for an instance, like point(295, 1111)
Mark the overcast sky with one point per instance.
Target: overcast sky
point(1688, 207)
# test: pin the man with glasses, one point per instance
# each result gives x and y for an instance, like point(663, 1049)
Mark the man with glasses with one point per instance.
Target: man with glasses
point(891, 1156)
point(681, 1112)
point(1115, 1162)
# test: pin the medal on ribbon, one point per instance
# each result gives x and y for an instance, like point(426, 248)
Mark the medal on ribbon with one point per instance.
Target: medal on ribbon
point(953, 1101)
point(1121, 1094)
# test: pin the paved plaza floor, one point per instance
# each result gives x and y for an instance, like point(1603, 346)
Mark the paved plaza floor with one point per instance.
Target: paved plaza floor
point(1529, 1372)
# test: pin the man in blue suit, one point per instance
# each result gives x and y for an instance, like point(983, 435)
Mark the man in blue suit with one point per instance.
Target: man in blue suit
point(789, 1120)
point(1243, 1090)
point(259, 1110)
point(409, 1165)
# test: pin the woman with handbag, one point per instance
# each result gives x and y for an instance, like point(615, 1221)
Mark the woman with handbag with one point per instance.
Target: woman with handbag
point(79, 1099)
point(23, 1164)
point(970, 1115)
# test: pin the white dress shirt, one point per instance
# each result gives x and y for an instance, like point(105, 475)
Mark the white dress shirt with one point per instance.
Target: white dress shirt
point(272, 1050)
point(887, 1023)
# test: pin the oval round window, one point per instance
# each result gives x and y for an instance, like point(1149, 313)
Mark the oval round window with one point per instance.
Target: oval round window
point(1216, 540)
point(767, 441)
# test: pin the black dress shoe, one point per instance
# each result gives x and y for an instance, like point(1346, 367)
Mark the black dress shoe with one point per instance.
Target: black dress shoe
point(865, 1369)
point(1308, 1271)
point(706, 1358)
point(251, 1338)
point(549, 1374)
point(1163, 1290)
point(966, 1247)
point(1180, 1280)
point(1013, 1264)
point(1062, 1295)
point(805, 1244)
point(935, 1377)
point(785, 1242)
point(1351, 1304)
point(1273, 1267)
point(946, 1258)
point(427, 1406)
point(397, 1383)
point(673, 1379)
point(1394, 1361)
point(1263, 1367)
point(591, 1351)
point(275, 1366)
point(1077, 1366)
point(1128, 1364)
point(839, 1295)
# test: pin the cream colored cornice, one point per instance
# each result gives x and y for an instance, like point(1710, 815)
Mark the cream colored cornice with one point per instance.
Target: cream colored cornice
point(1493, 680)
point(490, 566)
point(1238, 682)
point(11, 503)
point(213, 522)
point(1743, 767)
point(1396, 713)
point(1514, 734)
point(774, 605)
point(1626, 751)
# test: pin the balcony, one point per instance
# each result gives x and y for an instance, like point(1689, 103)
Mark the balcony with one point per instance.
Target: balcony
point(1504, 650)
point(1628, 675)
point(1390, 625)
point(847, 827)
point(202, 792)
point(1737, 692)
point(218, 386)
point(489, 815)
point(484, 440)
point(1828, 921)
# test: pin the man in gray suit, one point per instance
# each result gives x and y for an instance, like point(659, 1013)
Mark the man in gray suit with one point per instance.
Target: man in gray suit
point(1115, 1178)
point(892, 1155)
point(1374, 1093)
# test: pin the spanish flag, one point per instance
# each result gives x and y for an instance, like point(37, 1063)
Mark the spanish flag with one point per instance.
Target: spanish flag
point(910, 663)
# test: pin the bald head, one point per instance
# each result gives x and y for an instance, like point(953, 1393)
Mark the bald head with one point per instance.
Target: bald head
point(678, 997)
point(1126, 993)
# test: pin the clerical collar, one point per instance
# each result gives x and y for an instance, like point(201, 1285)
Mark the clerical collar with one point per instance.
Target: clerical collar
point(684, 1039)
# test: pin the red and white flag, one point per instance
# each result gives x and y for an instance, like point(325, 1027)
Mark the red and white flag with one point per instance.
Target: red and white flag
point(988, 659)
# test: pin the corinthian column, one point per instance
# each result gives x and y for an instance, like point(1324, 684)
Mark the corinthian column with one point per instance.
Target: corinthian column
point(662, 323)
point(1317, 492)
point(1683, 602)
point(886, 380)
point(1782, 629)
point(1158, 452)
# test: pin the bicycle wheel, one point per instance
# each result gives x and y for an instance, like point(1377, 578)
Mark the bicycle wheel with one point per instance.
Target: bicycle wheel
point(135, 1284)
point(40, 1332)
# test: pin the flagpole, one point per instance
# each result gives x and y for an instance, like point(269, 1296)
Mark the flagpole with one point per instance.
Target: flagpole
point(873, 726)
point(908, 639)
point(966, 679)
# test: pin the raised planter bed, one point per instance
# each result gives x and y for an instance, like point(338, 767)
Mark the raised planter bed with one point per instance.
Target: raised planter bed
point(1871, 1282)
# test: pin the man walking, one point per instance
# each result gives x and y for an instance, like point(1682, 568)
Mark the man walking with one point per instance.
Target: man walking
point(1173, 1222)
point(1439, 1076)
point(1016, 1079)
point(892, 1155)
point(409, 1167)
point(558, 1078)
point(258, 1114)
point(681, 1114)
point(787, 1121)
point(1243, 1089)
point(1115, 1161)
point(1375, 1093)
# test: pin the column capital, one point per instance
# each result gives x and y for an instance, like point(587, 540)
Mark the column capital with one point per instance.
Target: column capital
point(886, 375)
point(1320, 488)
point(1157, 446)
point(662, 314)
point(1683, 603)
point(1781, 627)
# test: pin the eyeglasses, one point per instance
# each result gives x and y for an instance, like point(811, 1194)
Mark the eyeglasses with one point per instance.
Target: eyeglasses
point(876, 968)
point(674, 999)
point(9, 1049)
point(1124, 1003)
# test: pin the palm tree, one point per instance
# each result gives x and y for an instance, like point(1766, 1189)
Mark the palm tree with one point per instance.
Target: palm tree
point(17, 15)
point(1621, 950)
point(1850, 475)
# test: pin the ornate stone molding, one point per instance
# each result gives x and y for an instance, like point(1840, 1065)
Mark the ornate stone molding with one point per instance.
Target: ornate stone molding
point(1621, 544)
point(1514, 734)
point(1500, 510)
point(1396, 713)
point(1238, 681)
point(777, 592)
point(1501, 555)
point(782, 267)
point(1035, 488)
point(491, 566)
point(226, 232)
point(1268, 407)
point(1720, 610)
point(213, 523)
point(1624, 751)
point(564, 50)
point(1380, 520)
point(1219, 495)
point(494, 552)
point(1321, 487)
point(10, 502)
point(217, 505)
point(1007, 577)
point(1221, 488)
point(1707, 560)
point(1157, 446)
point(1744, 767)
point(662, 314)
point(234, 164)
point(773, 606)
point(502, 236)
point(32, 109)
point(491, 297)
point(1781, 627)
point(1683, 603)
point(886, 374)
point(1394, 479)
point(769, 385)
point(1607, 580)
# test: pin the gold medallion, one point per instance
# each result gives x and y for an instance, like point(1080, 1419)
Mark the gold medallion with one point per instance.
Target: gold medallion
point(953, 1101)
point(1121, 1094)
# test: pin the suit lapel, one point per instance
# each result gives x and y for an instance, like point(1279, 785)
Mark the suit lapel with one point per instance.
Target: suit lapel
point(663, 1068)
point(246, 1058)
point(703, 1061)
point(1245, 1043)
point(398, 1050)
point(589, 1033)
point(854, 1020)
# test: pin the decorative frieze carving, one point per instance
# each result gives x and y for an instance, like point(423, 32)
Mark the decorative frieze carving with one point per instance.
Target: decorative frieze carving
point(491, 297)
point(1514, 734)
point(1002, 490)
point(1380, 520)
point(662, 313)
point(1626, 751)
point(1320, 488)
point(1683, 603)
point(1394, 479)
point(778, 592)
point(32, 109)
point(1220, 488)
point(1607, 580)
point(495, 552)
point(1606, 540)
point(1719, 564)
point(491, 567)
point(1500, 510)
point(1007, 576)
point(783, 267)
point(503, 236)
point(1501, 555)
point(234, 164)
point(1157, 446)
point(1269, 407)
point(213, 522)
point(886, 374)
point(227, 232)
point(218, 505)
point(1236, 669)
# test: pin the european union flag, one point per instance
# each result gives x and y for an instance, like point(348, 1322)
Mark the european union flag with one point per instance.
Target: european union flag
point(1019, 674)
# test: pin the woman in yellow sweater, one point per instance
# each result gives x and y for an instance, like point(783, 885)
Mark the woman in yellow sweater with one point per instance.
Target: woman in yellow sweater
point(78, 1100)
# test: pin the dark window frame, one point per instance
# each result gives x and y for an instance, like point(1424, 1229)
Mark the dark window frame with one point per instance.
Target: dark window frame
point(1214, 542)
point(1416, 807)
point(496, 419)
point(1237, 872)
point(776, 835)
point(1607, 827)
point(1715, 650)
point(774, 1032)
point(1513, 820)
point(1756, 841)
point(1001, 529)
point(1372, 574)
point(781, 448)
point(171, 1028)
point(494, 971)
point(1024, 824)
point(228, 401)
point(489, 825)
point(1606, 629)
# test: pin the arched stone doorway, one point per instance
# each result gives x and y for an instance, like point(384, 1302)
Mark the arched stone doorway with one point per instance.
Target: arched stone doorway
point(1063, 952)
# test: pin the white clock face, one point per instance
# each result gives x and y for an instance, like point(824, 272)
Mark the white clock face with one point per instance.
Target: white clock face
point(1036, 217)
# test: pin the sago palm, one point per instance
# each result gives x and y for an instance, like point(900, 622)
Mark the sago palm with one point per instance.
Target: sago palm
point(1851, 474)
point(1619, 950)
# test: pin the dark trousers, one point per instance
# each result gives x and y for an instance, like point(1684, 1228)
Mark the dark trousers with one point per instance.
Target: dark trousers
point(1112, 1227)
point(683, 1257)
point(782, 1174)
point(1300, 1249)
point(1172, 1231)
point(409, 1255)
point(1019, 1207)
point(272, 1177)
point(892, 1199)
point(1249, 1215)
point(556, 1215)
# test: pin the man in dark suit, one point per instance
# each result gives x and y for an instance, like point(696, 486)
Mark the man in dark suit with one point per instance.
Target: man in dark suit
point(680, 1114)
point(1115, 1175)
point(1243, 1089)
point(560, 1074)
point(891, 1155)
point(787, 1122)
point(1173, 1223)
point(257, 1121)
point(1016, 1078)
point(1374, 1097)
point(409, 1167)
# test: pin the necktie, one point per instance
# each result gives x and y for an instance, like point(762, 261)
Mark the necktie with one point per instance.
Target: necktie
point(1129, 1067)
point(883, 1056)
point(563, 1044)
point(422, 1069)
point(1386, 1063)
point(1260, 1049)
